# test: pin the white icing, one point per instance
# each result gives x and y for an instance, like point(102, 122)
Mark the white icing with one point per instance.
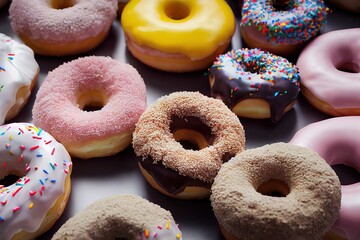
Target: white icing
point(167, 231)
point(18, 68)
point(42, 169)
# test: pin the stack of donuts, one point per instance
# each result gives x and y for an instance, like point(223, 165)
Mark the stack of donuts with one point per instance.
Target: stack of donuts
point(179, 119)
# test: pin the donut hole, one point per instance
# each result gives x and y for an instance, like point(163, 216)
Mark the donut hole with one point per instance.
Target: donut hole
point(349, 67)
point(8, 180)
point(177, 10)
point(274, 188)
point(62, 4)
point(191, 132)
point(347, 174)
point(282, 5)
point(92, 100)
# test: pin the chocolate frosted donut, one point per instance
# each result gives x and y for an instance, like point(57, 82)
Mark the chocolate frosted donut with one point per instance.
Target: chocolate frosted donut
point(278, 191)
point(183, 139)
point(120, 217)
point(254, 83)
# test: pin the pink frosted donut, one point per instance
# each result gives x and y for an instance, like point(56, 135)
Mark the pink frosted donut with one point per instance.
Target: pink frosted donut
point(337, 141)
point(91, 105)
point(330, 72)
point(62, 27)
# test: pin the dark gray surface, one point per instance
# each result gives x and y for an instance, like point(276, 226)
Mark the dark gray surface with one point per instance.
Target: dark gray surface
point(97, 178)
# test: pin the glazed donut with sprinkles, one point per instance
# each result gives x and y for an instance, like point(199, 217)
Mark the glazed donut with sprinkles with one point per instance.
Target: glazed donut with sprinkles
point(281, 27)
point(254, 83)
point(18, 74)
point(30, 206)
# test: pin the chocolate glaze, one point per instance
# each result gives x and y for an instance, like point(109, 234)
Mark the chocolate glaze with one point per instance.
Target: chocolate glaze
point(232, 87)
point(193, 123)
point(169, 179)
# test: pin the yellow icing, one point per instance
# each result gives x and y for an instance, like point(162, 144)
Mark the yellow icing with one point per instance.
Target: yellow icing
point(195, 28)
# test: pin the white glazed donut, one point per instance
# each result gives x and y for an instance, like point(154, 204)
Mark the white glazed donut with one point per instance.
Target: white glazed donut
point(18, 74)
point(30, 206)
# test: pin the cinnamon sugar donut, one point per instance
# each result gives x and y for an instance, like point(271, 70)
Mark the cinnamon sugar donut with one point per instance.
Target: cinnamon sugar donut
point(121, 217)
point(278, 191)
point(213, 133)
point(65, 27)
point(91, 105)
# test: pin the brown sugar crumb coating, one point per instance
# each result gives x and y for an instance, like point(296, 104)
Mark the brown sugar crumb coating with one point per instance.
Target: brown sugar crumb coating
point(306, 211)
point(117, 217)
point(153, 138)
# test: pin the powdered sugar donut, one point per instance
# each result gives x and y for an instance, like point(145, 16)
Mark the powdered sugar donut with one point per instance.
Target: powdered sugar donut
point(114, 89)
point(30, 206)
point(277, 191)
point(18, 74)
point(121, 217)
point(62, 27)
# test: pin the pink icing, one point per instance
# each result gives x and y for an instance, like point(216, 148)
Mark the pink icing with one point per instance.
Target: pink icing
point(337, 141)
point(56, 110)
point(36, 19)
point(318, 64)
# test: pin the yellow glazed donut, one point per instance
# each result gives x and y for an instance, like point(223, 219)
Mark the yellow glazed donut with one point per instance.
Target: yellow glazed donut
point(178, 35)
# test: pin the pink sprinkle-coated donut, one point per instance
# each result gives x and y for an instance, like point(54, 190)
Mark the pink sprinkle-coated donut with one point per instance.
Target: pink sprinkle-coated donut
point(337, 141)
point(330, 72)
point(116, 89)
point(62, 27)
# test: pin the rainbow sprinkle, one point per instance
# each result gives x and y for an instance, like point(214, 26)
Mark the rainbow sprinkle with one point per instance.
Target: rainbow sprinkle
point(300, 21)
point(169, 232)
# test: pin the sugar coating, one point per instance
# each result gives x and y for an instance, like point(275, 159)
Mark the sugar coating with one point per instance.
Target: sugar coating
point(56, 109)
point(120, 216)
point(36, 19)
point(307, 212)
point(152, 136)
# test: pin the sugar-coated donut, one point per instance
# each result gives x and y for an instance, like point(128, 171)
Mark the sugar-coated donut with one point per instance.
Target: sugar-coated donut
point(18, 74)
point(330, 72)
point(62, 27)
point(30, 206)
point(121, 217)
point(278, 191)
point(178, 36)
point(281, 27)
point(348, 5)
point(213, 135)
point(254, 83)
point(114, 90)
point(337, 141)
